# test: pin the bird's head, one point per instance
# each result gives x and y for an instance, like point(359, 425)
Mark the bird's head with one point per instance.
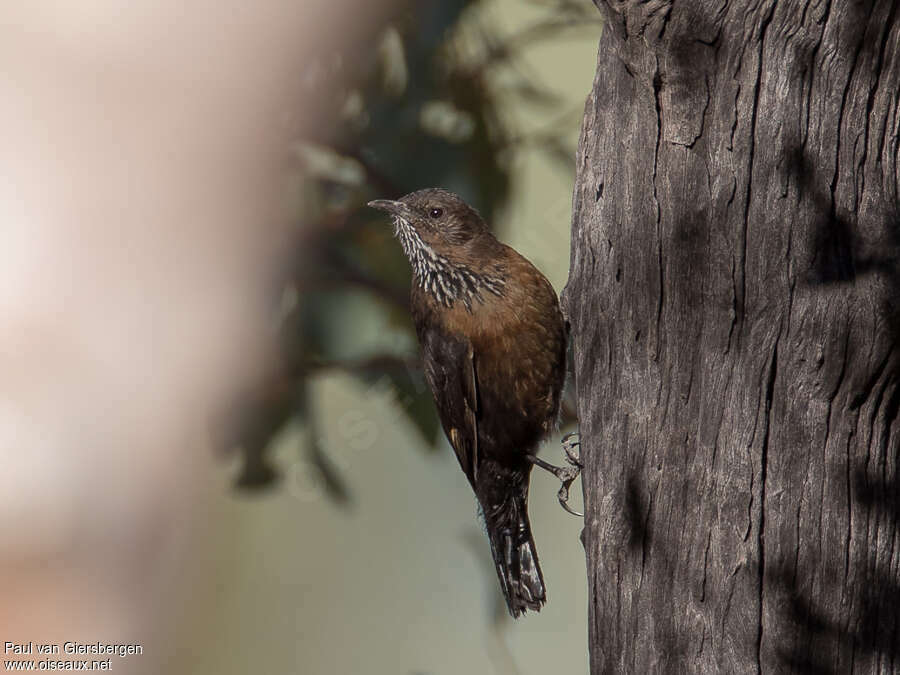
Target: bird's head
point(448, 244)
point(432, 221)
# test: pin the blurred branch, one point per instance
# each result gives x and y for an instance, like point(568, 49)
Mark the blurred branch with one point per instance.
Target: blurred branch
point(543, 30)
point(350, 274)
point(335, 485)
point(379, 363)
point(548, 132)
point(384, 186)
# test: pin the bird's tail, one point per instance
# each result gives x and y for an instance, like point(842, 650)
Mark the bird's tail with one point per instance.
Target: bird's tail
point(515, 555)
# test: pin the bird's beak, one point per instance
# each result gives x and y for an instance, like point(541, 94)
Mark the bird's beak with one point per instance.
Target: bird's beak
point(398, 209)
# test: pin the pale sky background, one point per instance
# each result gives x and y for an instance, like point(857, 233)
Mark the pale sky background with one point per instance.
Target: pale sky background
point(399, 583)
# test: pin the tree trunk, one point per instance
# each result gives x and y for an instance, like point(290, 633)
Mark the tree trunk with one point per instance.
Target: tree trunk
point(734, 306)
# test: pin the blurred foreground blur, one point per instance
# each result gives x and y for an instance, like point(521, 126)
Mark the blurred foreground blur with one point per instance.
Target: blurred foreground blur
point(182, 256)
point(142, 149)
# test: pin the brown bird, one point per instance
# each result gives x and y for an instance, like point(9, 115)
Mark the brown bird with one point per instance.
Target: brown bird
point(494, 346)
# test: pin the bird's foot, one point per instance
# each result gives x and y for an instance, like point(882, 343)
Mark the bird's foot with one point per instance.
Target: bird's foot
point(571, 443)
point(565, 474)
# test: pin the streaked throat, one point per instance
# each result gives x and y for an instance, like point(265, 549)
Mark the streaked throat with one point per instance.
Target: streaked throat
point(448, 282)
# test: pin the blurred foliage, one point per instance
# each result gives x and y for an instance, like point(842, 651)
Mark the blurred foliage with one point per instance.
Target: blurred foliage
point(425, 103)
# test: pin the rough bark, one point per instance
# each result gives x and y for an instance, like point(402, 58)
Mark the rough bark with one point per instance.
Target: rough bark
point(734, 305)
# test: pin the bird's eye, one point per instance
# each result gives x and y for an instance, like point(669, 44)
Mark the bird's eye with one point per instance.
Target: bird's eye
point(436, 213)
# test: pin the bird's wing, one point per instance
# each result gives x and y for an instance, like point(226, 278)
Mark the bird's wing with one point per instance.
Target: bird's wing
point(450, 370)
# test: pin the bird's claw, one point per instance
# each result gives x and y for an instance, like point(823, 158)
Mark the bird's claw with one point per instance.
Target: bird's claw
point(565, 474)
point(571, 443)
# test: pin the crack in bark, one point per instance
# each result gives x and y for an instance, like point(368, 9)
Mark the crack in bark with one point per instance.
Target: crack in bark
point(840, 122)
point(870, 100)
point(734, 122)
point(754, 111)
point(849, 538)
point(814, 53)
point(657, 87)
point(644, 536)
point(665, 20)
point(705, 568)
point(764, 458)
point(869, 385)
point(693, 142)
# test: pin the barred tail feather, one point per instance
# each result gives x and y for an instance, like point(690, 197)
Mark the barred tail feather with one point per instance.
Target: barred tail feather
point(516, 561)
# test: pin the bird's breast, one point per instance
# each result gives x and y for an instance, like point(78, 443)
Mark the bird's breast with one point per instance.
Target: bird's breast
point(518, 341)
